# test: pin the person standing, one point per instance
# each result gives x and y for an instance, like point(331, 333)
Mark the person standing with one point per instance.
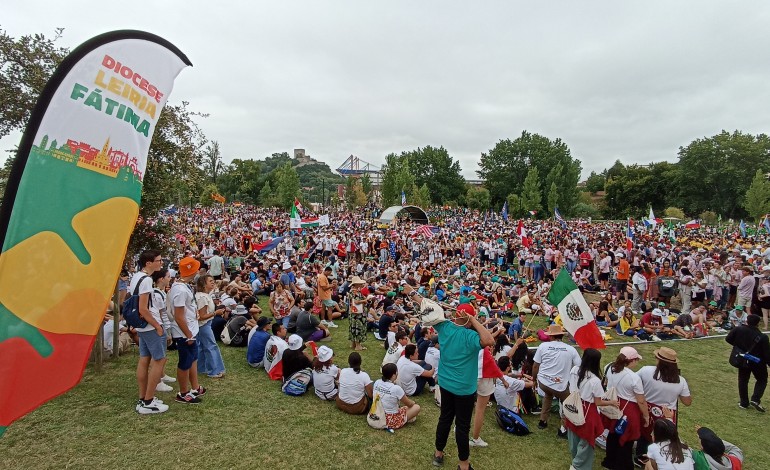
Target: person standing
point(746, 288)
point(216, 266)
point(639, 283)
point(621, 278)
point(552, 364)
point(749, 339)
point(209, 356)
point(152, 338)
point(357, 329)
point(461, 341)
point(184, 330)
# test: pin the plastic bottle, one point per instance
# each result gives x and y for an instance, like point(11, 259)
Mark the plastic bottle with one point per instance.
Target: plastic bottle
point(621, 425)
point(750, 358)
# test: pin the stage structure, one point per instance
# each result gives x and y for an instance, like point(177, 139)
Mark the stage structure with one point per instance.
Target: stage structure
point(415, 213)
point(357, 168)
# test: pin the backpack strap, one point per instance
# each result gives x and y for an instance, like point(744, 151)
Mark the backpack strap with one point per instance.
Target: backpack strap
point(136, 289)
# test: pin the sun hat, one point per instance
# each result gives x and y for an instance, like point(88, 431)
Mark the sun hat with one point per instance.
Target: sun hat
point(286, 265)
point(661, 304)
point(188, 266)
point(666, 355)
point(357, 281)
point(554, 330)
point(739, 307)
point(325, 353)
point(241, 310)
point(630, 353)
point(295, 342)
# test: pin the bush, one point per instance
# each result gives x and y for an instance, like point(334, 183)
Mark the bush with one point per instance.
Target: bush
point(674, 212)
point(584, 210)
point(708, 217)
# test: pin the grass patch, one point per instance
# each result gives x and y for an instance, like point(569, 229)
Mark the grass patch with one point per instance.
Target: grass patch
point(246, 422)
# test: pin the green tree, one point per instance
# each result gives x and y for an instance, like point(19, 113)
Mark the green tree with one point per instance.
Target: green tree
point(212, 161)
point(553, 198)
point(505, 166)
point(595, 183)
point(530, 195)
point(240, 180)
point(434, 167)
point(584, 210)
point(26, 64)
point(674, 212)
point(287, 184)
point(714, 173)
point(757, 201)
point(366, 185)
point(709, 217)
point(205, 198)
point(425, 195)
point(267, 196)
point(354, 193)
point(477, 198)
point(396, 177)
point(514, 205)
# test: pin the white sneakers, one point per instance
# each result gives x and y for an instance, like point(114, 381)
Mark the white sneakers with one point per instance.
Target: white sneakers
point(477, 442)
point(163, 387)
point(329, 324)
point(155, 407)
point(167, 379)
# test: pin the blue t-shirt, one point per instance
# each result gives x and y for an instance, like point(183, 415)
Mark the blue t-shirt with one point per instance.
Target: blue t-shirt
point(256, 349)
point(516, 327)
point(459, 368)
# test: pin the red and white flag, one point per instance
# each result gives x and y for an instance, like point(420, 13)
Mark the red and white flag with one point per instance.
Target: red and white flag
point(575, 314)
point(693, 224)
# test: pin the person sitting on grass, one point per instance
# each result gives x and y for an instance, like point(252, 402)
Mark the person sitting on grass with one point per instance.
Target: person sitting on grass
point(325, 374)
point(737, 316)
point(294, 358)
point(355, 387)
point(309, 326)
point(508, 396)
point(603, 315)
point(391, 395)
point(413, 374)
point(394, 352)
point(628, 325)
point(715, 453)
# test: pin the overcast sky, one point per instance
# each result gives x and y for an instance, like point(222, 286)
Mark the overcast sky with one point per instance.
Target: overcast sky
point(613, 79)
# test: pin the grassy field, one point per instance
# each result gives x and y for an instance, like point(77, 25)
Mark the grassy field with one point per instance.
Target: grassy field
point(245, 422)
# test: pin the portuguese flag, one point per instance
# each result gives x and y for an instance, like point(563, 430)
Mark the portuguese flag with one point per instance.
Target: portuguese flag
point(575, 314)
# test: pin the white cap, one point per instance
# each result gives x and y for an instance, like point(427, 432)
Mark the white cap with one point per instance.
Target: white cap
point(286, 265)
point(325, 353)
point(295, 342)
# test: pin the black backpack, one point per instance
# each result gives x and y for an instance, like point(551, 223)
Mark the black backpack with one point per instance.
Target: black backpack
point(235, 333)
point(130, 309)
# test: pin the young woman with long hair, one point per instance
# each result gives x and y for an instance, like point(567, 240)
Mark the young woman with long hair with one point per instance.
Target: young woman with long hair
point(355, 387)
point(586, 379)
point(209, 356)
point(668, 452)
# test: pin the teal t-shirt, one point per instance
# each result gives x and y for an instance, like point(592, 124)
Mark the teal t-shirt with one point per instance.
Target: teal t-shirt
point(459, 369)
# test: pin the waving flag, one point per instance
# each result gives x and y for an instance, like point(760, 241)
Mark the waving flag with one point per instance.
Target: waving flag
point(652, 221)
point(629, 236)
point(522, 233)
point(693, 224)
point(504, 212)
point(742, 227)
point(403, 198)
point(267, 245)
point(575, 314)
point(671, 233)
point(532, 213)
point(766, 224)
point(298, 207)
point(70, 205)
point(425, 230)
point(559, 218)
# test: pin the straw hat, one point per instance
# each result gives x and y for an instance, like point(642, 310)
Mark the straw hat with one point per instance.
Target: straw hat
point(666, 355)
point(357, 281)
point(555, 330)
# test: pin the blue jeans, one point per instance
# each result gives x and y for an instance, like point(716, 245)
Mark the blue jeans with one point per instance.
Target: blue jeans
point(209, 357)
point(285, 322)
point(571, 265)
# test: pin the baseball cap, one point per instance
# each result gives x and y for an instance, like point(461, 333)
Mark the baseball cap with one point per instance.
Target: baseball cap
point(467, 308)
point(295, 342)
point(710, 442)
point(263, 321)
point(630, 353)
point(325, 353)
point(713, 303)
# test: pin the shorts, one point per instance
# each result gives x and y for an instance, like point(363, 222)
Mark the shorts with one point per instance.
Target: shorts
point(150, 344)
point(621, 284)
point(355, 409)
point(188, 353)
point(745, 301)
point(329, 303)
point(486, 387)
point(396, 420)
point(604, 276)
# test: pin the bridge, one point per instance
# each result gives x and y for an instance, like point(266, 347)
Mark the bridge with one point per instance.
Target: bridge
point(356, 168)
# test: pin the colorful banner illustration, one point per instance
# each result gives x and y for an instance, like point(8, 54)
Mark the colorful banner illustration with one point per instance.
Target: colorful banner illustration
point(70, 206)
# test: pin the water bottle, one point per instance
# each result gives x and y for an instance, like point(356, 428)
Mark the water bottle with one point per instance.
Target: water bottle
point(621, 425)
point(750, 357)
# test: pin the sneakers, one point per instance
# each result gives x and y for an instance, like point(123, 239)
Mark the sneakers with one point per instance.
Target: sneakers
point(743, 407)
point(167, 379)
point(656, 338)
point(325, 323)
point(154, 407)
point(561, 433)
point(757, 406)
point(601, 442)
point(162, 387)
point(438, 461)
point(199, 392)
point(477, 442)
point(331, 324)
point(542, 424)
point(189, 399)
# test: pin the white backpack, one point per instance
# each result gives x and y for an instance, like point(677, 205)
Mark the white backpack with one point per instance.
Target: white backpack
point(376, 416)
point(572, 409)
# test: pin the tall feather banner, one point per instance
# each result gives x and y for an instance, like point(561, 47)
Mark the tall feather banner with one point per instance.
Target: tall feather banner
point(71, 203)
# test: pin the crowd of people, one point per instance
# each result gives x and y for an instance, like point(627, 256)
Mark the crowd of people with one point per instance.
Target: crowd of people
point(237, 276)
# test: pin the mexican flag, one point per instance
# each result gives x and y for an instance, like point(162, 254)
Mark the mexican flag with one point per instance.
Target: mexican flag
point(575, 314)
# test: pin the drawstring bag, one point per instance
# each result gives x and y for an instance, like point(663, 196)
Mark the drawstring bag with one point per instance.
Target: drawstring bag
point(376, 416)
point(431, 313)
point(572, 409)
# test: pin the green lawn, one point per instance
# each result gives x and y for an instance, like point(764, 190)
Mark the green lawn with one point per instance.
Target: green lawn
point(245, 422)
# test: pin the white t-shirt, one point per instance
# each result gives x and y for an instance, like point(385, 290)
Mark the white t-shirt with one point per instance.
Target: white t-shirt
point(590, 388)
point(323, 382)
point(202, 299)
point(159, 300)
point(352, 385)
point(433, 357)
point(181, 295)
point(662, 393)
point(626, 383)
point(216, 265)
point(658, 454)
point(393, 354)
point(145, 288)
point(390, 395)
point(408, 372)
point(508, 397)
point(503, 352)
point(555, 359)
